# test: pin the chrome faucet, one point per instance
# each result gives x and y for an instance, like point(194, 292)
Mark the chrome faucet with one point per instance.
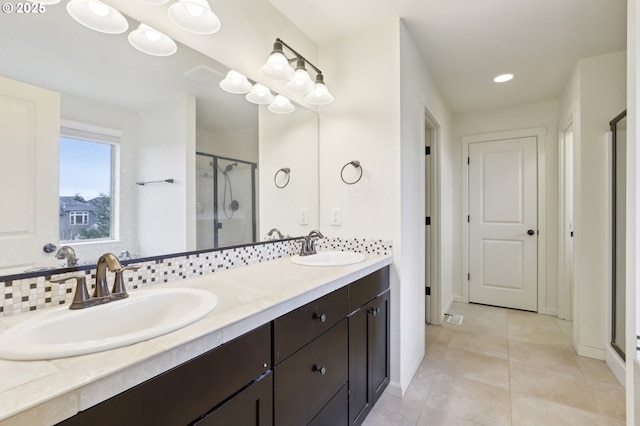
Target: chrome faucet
point(66, 252)
point(309, 243)
point(275, 231)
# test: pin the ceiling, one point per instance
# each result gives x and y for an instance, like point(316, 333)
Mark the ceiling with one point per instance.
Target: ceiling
point(465, 43)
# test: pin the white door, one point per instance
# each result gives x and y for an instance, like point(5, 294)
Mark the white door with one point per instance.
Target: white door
point(503, 223)
point(29, 164)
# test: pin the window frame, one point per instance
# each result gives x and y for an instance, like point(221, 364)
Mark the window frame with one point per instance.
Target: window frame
point(80, 131)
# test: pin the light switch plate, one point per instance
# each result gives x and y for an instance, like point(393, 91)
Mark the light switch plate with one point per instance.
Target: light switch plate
point(336, 217)
point(304, 216)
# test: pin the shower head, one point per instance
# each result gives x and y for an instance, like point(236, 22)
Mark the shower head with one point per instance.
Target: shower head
point(230, 167)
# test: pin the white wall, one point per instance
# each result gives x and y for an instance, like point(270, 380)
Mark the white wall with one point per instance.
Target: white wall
point(597, 93)
point(166, 150)
point(541, 114)
point(95, 113)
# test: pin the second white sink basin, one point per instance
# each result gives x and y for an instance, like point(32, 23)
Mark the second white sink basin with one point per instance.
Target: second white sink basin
point(145, 314)
point(329, 258)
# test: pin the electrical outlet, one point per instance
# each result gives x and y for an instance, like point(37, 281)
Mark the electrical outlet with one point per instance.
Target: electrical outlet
point(304, 216)
point(336, 217)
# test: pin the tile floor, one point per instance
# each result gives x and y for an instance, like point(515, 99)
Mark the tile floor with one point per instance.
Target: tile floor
point(504, 367)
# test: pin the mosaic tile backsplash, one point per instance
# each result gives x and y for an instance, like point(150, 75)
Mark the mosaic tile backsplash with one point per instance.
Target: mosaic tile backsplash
point(29, 294)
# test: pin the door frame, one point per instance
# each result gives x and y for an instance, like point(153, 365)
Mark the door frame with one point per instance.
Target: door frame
point(565, 265)
point(436, 304)
point(540, 134)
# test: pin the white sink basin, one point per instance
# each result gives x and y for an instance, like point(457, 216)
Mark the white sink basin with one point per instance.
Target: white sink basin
point(329, 258)
point(145, 314)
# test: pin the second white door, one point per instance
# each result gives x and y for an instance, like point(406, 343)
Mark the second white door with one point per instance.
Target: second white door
point(503, 234)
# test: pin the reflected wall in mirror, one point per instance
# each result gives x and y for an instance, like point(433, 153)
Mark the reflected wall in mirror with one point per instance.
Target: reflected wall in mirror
point(156, 113)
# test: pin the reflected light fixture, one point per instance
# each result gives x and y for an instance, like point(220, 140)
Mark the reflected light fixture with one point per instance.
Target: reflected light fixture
point(194, 16)
point(98, 16)
point(320, 94)
point(299, 81)
point(277, 66)
point(152, 42)
point(260, 95)
point(281, 105)
point(502, 78)
point(236, 83)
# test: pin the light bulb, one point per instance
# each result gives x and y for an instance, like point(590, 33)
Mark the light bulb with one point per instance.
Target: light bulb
point(195, 10)
point(152, 35)
point(98, 8)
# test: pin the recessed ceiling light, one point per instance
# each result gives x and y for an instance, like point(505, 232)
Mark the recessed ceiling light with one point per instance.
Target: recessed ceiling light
point(503, 77)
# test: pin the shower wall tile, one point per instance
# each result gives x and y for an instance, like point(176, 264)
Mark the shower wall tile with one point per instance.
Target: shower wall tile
point(30, 294)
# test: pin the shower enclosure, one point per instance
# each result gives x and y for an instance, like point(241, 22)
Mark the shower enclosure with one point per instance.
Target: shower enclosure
point(225, 201)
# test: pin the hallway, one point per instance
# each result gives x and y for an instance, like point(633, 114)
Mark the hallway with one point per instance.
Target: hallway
point(504, 367)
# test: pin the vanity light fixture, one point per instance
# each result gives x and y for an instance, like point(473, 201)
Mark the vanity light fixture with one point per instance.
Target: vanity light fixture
point(98, 16)
point(260, 95)
point(281, 105)
point(236, 83)
point(320, 94)
point(278, 67)
point(194, 16)
point(152, 42)
point(502, 78)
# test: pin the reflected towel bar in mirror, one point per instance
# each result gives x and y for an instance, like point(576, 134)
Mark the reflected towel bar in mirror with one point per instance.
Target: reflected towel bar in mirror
point(143, 183)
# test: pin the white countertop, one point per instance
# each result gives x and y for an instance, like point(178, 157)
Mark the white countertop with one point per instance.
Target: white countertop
point(46, 392)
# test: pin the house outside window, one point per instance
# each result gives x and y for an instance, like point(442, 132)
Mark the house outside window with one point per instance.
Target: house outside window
point(88, 156)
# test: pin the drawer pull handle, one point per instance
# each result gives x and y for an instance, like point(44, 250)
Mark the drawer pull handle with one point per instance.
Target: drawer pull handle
point(321, 370)
point(321, 317)
point(374, 311)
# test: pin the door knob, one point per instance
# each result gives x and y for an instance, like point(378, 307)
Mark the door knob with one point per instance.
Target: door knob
point(531, 232)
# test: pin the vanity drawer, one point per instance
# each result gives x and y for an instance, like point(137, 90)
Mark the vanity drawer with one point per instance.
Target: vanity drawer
point(297, 328)
point(306, 381)
point(368, 288)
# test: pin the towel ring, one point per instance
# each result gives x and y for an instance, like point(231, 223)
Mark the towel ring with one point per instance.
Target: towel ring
point(287, 172)
point(355, 164)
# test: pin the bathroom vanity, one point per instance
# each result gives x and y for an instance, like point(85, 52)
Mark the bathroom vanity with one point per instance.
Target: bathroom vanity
point(287, 345)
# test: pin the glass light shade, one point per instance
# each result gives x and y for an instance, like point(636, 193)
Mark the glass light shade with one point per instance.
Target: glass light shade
point(277, 67)
point(152, 42)
point(260, 95)
point(194, 16)
point(281, 105)
point(320, 95)
point(98, 16)
point(301, 81)
point(236, 83)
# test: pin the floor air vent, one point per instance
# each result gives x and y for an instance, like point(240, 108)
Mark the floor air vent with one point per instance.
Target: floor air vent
point(454, 319)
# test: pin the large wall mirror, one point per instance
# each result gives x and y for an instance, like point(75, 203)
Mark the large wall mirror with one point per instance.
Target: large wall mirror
point(93, 127)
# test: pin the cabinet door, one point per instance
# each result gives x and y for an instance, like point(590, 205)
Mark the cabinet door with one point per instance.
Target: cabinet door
point(306, 381)
point(369, 355)
point(251, 407)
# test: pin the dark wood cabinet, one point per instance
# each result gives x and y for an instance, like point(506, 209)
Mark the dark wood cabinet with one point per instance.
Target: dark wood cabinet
point(252, 406)
point(187, 392)
point(369, 350)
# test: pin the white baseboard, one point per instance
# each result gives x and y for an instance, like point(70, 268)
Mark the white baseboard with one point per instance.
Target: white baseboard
point(589, 352)
point(616, 365)
point(457, 299)
point(548, 311)
point(394, 389)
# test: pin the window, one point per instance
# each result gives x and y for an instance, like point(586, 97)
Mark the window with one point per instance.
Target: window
point(78, 218)
point(87, 164)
